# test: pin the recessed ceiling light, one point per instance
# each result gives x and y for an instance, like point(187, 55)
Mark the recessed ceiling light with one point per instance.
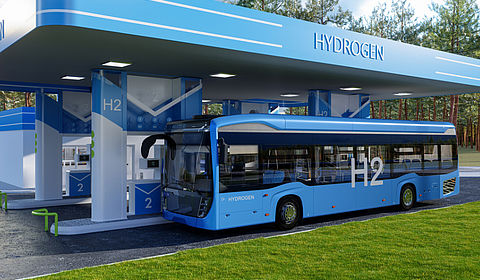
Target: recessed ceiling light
point(289, 95)
point(403, 94)
point(116, 64)
point(222, 75)
point(350, 88)
point(206, 100)
point(73, 78)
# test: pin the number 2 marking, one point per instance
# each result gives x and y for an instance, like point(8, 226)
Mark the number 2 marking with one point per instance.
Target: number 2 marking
point(378, 171)
point(117, 104)
point(80, 187)
point(148, 200)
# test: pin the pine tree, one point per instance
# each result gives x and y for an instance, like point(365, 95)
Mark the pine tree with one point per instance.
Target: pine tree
point(293, 9)
point(455, 27)
point(245, 3)
point(404, 26)
point(327, 11)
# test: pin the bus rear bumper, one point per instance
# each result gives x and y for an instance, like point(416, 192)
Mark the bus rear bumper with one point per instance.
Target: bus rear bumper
point(447, 185)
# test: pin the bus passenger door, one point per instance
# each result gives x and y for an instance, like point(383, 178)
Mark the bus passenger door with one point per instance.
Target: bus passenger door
point(240, 208)
point(241, 201)
point(333, 192)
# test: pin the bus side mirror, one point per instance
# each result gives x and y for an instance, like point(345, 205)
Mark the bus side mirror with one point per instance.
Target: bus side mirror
point(222, 151)
point(150, 141)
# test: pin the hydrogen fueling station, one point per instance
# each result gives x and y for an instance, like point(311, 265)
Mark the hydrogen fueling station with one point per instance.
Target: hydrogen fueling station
point(109, 74)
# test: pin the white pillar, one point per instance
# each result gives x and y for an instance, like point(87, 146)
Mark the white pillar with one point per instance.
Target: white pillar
point(109, 147)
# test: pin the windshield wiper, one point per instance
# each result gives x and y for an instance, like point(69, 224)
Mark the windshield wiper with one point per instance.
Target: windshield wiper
point(184, 186)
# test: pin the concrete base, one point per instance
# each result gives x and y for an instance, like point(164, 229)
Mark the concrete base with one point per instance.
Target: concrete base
point(83, 226)
point(11, 189)
point(19, 191)
point(35, 204)
point(466, 171)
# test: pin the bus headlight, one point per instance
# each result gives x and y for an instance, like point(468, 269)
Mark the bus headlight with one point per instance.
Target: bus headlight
point(203, 207)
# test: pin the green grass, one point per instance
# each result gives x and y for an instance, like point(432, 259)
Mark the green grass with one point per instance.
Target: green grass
point(433, 244)
point(468, 157)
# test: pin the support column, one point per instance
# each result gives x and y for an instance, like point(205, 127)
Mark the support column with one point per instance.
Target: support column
point(364, 109)
point(109, 147)
point(191, 91)
point(48, 148)
point(319, 103)
point(232, 107)
point(326, 104)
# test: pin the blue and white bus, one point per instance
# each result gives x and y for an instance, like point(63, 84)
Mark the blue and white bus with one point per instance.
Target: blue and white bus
point(252, 169)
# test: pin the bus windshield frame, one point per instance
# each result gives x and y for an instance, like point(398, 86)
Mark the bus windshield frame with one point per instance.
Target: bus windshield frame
point(188, 188)
point(189, 164)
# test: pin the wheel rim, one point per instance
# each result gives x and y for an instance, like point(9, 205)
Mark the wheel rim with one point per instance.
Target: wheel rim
point(289, 213)
point(408, 197)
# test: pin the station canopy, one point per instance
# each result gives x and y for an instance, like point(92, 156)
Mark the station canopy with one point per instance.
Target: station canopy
point(270, 55)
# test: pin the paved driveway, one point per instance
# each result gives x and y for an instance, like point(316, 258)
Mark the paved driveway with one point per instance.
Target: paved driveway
point(27, 251)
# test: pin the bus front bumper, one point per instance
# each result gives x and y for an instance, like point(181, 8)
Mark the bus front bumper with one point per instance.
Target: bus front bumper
point(203, 223)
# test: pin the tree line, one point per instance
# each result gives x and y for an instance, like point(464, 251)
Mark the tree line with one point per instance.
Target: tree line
point(11, 100)
point(454, 27)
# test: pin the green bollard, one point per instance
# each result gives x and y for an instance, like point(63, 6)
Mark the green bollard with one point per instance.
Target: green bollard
point(44, 213)
point(4, 196)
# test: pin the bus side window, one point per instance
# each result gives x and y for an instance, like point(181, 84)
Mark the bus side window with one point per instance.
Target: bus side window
point(382, 152)
point(286, 164)
point(272, 165)
point(328, 173)
point(302, 164)
point(343, 164)
point(318, 160)
point(361, 153)
point(430, 159)
point(448, 156)
point(241, 170)
point(332, 164)
point(406, 159)
point(416, 159)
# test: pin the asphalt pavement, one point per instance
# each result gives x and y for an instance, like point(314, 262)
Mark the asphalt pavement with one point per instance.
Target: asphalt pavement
point(26, 250)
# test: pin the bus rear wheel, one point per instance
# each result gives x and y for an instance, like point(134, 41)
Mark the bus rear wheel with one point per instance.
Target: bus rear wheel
point(288, 213)
point(407, 197)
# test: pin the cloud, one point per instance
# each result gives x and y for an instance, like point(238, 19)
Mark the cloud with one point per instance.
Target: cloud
point(359, 7)
point(365, 7)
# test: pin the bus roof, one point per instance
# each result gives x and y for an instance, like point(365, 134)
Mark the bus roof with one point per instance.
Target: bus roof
point(276, 123)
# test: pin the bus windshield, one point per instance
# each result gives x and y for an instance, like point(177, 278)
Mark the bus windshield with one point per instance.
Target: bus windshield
point(189, 185)
point(189, 169)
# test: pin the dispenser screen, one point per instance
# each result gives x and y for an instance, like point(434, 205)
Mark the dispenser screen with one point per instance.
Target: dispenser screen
point(83, 157)
point(154, 163)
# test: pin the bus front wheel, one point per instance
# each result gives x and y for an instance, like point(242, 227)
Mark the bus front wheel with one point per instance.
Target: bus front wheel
point(407, 197)
point(288, 213)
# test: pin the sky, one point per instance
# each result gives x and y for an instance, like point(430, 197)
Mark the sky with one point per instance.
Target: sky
point(365, 7)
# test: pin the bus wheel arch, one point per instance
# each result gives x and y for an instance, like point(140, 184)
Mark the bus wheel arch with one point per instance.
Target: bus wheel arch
point(408, 196)
point(289, 212)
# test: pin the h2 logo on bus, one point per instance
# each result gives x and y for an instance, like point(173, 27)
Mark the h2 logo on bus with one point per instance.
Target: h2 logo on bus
point(364, 171)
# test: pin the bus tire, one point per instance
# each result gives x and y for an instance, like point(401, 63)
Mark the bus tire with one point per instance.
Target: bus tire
point(289, 213)
point(407, 197)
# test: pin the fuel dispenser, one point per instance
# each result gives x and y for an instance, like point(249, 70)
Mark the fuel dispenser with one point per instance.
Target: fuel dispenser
point(83, 161)
point(145, 192)
point(78, 176)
